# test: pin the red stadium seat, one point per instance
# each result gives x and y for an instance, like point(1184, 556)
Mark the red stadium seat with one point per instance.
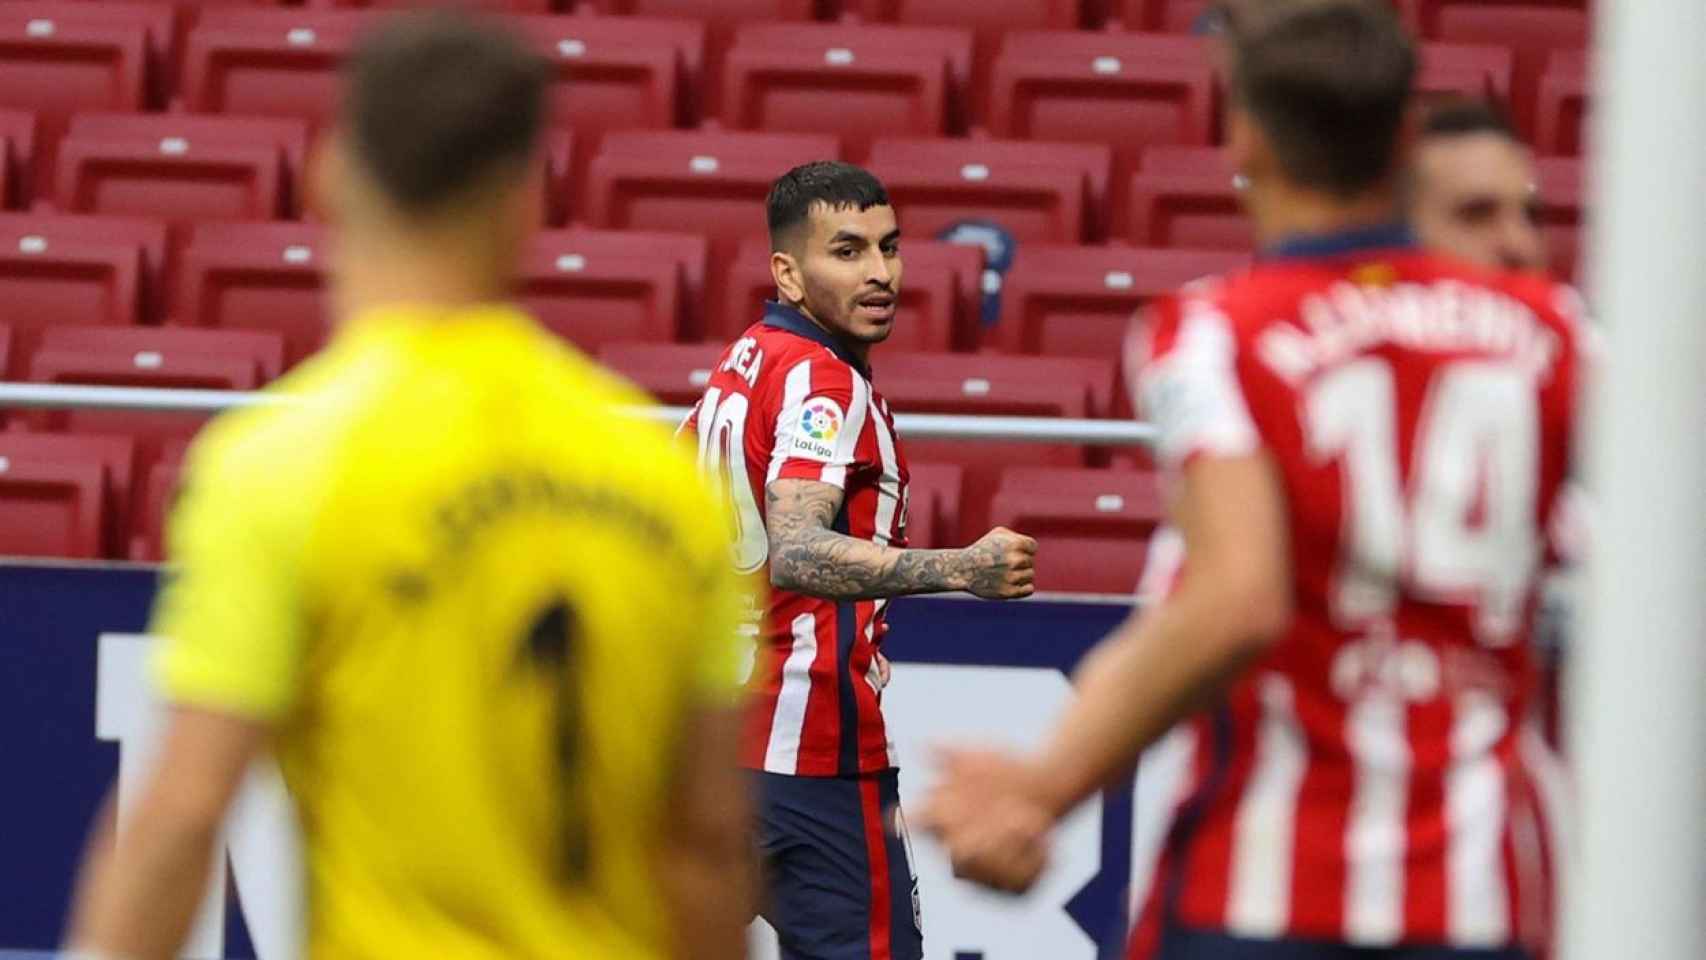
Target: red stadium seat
point(1039, 192)
point(1561, 212)
point(1561, 111)
point(674, 373)
point(1092, 526)
point(153, 502)
point(717, 19)
point(858, 82)
point(933, 294)
point(1130, 91)
point(618, 73)
point(1479, 72)
point(933, 505)
point(256, 276)
point(17, 157)
point(48, 231)
point(5, 355)
point(56, 67)
point(62, 496)
point(1169, 16)
point(180, 167)
point(269, 63)
point(1183, 197)
point(150, 357)
point(1078, 301)
point(989, 19)
point(592, 299)
point(1533, 30)
point(48, 285)
point(995, 386)
point(690, 251)
point(705, 182)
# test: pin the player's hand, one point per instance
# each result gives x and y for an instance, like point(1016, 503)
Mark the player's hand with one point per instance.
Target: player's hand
point(985, 811)
point(1001, 566)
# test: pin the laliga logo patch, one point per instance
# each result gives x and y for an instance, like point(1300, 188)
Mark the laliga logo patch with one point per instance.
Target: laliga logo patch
point(821, 420)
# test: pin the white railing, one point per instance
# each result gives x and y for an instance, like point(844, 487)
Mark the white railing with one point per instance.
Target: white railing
point(916, 426)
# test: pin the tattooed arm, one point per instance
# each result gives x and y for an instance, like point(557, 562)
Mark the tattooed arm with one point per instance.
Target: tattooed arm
point(806, 556)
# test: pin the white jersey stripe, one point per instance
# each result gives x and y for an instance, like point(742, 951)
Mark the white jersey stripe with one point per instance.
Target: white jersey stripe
point(796, 387)
point(783, 752)
point(1264, 829)
point(1375, 836)
point(847, 442)
point(888, 486)
point(1477, 901)
point(1163, 784)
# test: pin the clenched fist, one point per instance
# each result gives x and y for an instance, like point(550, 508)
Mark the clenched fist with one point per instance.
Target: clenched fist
point(1001, 566)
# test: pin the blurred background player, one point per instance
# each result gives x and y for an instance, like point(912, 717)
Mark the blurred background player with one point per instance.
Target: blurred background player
point(790, 418)
point(486, 623)
point(1472, 191)
point(1366, 442)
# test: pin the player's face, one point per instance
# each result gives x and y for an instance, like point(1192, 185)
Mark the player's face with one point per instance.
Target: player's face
point(849, 267)
point(1475, 199)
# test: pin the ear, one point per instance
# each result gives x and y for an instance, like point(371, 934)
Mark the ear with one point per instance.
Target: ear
point(1247, 150)
point(790, 280)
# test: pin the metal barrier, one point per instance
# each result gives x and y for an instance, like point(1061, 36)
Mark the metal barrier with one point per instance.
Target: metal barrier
point(915, 426)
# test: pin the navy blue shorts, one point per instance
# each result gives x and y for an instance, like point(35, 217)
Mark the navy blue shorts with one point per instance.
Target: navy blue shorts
point(838, 877)
point(1178, 943)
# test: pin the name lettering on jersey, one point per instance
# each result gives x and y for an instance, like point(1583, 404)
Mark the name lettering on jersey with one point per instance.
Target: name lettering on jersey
point(1444, 317)
point(813, 436)
point(746, 360)
point(526, 495)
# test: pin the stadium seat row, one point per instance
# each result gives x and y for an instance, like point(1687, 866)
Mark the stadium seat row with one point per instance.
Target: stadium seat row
point(187, 168)
point(855, 81)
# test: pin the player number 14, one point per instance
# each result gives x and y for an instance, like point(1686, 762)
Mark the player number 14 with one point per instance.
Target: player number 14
point(1475, 446)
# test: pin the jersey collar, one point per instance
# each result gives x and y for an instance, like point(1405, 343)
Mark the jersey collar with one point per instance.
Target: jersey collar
point(783, 317)
point(1386, 236)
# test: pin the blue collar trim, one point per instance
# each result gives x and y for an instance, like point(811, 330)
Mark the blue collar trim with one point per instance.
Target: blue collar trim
point(1387, 236)
point(783, 317)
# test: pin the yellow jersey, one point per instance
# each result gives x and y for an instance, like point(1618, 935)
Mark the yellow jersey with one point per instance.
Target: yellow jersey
point(477, 603)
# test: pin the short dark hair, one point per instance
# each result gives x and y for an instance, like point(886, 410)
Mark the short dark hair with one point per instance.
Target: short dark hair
point(1462, 116)
point(832, 183)
point(436, 103)
point(1328, 81)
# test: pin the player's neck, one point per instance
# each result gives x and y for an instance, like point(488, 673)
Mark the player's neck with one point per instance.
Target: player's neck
point(373, 275)
point(860, 351)
point(1284, 212)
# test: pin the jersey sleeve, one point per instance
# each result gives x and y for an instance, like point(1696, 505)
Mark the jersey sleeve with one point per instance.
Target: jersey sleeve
point(818, 421)
point(229, 621)
point(1181, 355)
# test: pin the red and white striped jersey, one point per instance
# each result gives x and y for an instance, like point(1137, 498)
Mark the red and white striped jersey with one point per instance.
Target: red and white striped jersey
point(787, 401)
point(1374, 779)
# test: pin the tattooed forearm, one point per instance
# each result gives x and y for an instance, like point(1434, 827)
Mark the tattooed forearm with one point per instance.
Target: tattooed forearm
point(806, 556)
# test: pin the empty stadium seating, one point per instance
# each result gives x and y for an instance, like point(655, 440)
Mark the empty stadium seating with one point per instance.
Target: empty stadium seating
point(5, 358)
point(993, 385)
point(154, 496)
point(1038, 192)
point(1091, 526)
point(1184, 197)
point(935, 312)
point(933, 505)
point(591, 299)
point(63, 496)
point(256, 276)
point(269, 62)
point(1127, 90)
point(1532, 30)
point(17, 157)
point(50, 285)
point(712, 183)
point(1465, 71)
point(857, 82)
point(59, 58)
point(1078, 301)
point(1562, 104)
point(1172, 16)
point(180, 167)
point(674, 373)
point(46, 232)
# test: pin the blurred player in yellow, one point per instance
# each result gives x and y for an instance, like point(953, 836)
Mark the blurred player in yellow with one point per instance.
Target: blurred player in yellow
point(485, 621)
